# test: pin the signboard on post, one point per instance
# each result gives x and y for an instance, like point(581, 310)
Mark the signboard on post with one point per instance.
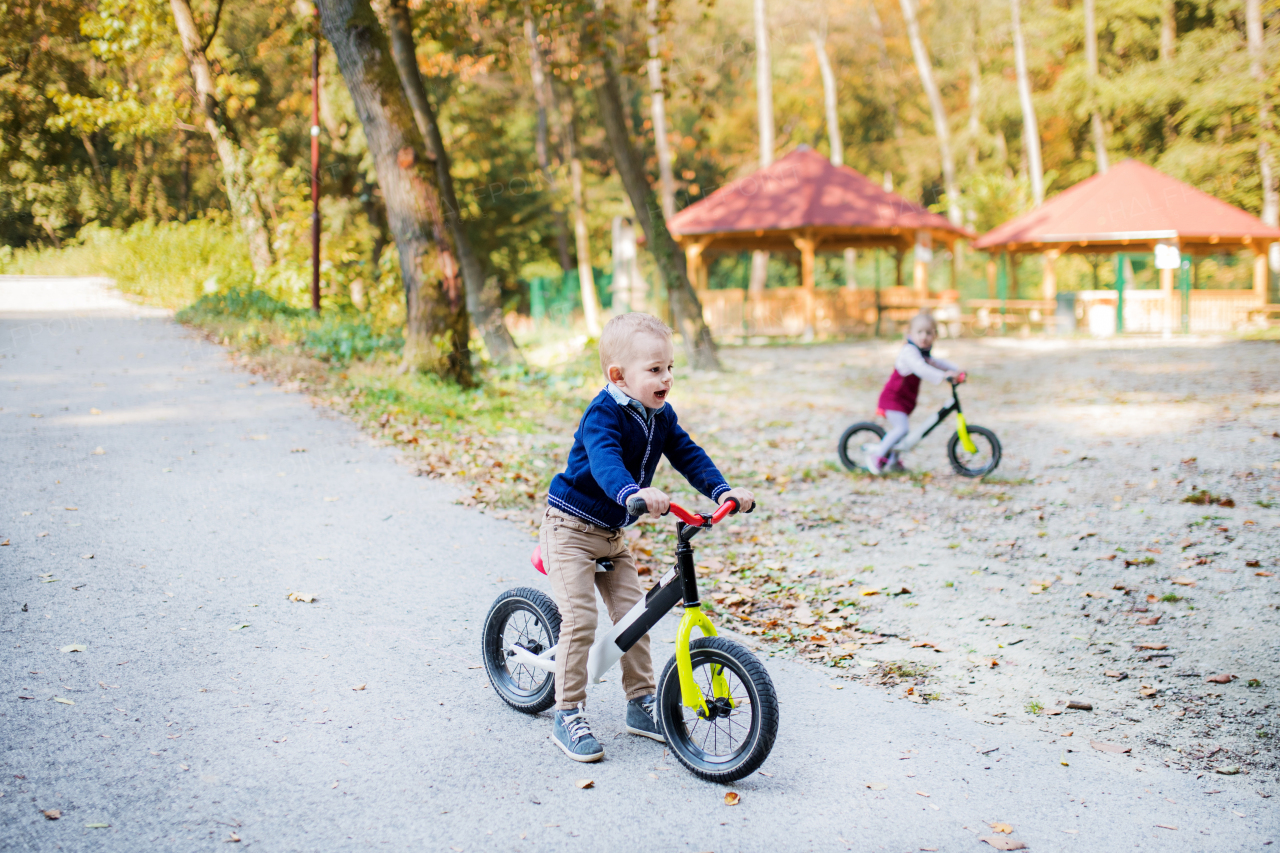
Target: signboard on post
point(1167, 255)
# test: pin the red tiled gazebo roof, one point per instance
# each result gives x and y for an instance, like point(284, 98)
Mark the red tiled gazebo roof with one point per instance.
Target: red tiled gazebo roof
point(804, 192)
point(1130, 207)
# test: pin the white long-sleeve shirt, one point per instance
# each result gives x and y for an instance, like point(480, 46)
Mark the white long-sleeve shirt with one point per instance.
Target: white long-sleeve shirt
point(912, 361)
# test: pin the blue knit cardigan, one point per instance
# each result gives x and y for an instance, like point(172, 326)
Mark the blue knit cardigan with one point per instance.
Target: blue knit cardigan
point(615, 454)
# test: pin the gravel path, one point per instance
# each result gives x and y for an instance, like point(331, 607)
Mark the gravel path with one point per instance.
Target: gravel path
point(206, 707)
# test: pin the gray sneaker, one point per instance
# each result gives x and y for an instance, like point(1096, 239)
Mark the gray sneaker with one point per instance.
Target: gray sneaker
point(573, 735)
point(641, 718)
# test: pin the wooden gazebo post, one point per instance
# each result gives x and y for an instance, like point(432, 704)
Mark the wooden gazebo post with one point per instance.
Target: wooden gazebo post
point(807, 245)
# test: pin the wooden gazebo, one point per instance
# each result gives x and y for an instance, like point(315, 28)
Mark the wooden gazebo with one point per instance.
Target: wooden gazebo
point(1134, 208)
point(804, 203)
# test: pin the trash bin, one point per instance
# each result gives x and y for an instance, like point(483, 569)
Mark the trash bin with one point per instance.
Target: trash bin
point(1065, 315)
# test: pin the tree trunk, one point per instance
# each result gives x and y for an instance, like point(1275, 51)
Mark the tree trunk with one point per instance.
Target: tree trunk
point(1030, 128)
point(924, 67)
point(975, 93)
point(586, 276)
point(764, 121)
point(658, 110)
point(1257, 68)
point(242, 198)
point(670, 260)
point(829, 96)
point(544, 97)
point(1091, 67)
point(483, 305)
point(1168, 31)
point(885, 67)
point(437, 327)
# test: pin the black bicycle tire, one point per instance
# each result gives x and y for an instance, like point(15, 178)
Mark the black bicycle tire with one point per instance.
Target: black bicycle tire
point(843, 447)
point(960, 469)
point(494, 655)
point(764, 704)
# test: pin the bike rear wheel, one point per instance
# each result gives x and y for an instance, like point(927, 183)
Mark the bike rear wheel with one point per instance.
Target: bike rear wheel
point(529, 618)
point(852, 440)
point(739, 736)
point(978, 464)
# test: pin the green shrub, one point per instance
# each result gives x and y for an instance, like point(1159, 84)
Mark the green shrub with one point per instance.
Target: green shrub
point(239, 304)
point(343, 339)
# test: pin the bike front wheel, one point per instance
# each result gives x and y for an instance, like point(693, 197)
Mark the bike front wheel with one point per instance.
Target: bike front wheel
point(978, 464)
point(852, 441)
point(529, 618)
point(742, 727)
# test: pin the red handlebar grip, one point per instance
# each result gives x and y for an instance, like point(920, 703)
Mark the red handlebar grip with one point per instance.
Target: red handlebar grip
point(724, 510)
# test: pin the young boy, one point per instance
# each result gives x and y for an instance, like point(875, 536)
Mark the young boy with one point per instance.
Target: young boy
point(898, 399)
point(616, 448)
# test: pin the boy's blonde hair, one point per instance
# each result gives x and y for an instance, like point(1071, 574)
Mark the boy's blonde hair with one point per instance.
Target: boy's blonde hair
point(615, 340)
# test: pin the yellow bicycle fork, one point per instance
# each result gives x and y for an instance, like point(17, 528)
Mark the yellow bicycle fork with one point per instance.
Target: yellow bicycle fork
point(962, 430)
point(690, 693)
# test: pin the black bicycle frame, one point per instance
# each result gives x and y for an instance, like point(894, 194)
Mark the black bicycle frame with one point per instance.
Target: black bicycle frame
point(953, 406)
point(681, 584)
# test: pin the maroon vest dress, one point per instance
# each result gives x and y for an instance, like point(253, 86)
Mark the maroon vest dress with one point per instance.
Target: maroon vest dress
point(900, 392)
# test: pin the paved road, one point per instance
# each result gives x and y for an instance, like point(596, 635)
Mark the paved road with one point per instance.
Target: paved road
point(200, 517)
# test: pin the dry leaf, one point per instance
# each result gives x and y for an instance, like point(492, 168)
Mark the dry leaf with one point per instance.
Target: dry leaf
point(1001, 843)
point(1001, 827)
point(1112, 674)
point(1183, 581)
point(97, 826)
point(330, 500)
point(1147, 692)
point(62, 701)
point(1227, 771)
point(585, 783)
point(1076, 705)
point(1110, 747)
point(360, 686)
point(1166, 826)
point(731, 798)
point(239, 626)
point(75, 647)
point(1149, 620)
point(232, 839)
point(304, 597)
point(1265, 574)
point(877, 786)
point(1151, 647)
point(86, 556)
point(5, 542)
point(1224, 678)
point(868, 591)
point(98, 451)
point(53, 814)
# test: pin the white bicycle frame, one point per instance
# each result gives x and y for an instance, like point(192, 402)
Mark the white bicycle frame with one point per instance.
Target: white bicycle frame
point(916, 435)
point(606, 651)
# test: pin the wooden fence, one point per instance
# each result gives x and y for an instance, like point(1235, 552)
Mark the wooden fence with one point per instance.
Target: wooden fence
point(1154, 311)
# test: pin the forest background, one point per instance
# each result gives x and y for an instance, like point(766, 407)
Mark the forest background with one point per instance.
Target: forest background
point(114, 158)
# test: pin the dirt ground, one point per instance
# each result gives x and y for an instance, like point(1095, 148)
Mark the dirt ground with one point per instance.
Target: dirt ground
point(1076, 573)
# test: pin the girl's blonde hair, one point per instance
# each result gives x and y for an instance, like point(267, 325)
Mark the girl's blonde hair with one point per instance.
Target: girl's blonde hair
point(618, 334)
point(924, 318)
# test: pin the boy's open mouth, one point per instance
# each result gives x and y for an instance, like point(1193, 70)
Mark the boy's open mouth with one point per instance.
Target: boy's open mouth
point(661, 395)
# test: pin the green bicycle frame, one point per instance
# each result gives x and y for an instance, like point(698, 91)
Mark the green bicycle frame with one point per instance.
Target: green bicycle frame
point(690, 693)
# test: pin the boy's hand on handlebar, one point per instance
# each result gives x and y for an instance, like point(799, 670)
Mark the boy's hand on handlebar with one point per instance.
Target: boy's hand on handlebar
point(656, 500)
point(955, 377)
point(746, 500)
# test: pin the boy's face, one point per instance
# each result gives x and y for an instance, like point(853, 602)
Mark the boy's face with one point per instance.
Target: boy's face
point(922, 334)
point(645, 374)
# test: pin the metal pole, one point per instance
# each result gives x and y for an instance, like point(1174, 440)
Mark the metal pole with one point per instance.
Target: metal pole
point(1120, 284)
point(1185, 287)
point(315, 166)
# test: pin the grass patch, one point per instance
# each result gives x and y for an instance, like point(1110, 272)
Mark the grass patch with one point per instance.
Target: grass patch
point(1204, 497)
point(1034, 707)
point(1171, 598)
point(997, 480)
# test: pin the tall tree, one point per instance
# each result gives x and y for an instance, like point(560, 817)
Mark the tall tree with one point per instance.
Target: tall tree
point(1091, 72)
point(1257, 69)
point(1030, 128)
point(885, 67)
point(658, 112)
point(436, 329)
point(829, 101)
point(686, 308)
point(1168, 30)
point(764, 121)
point(242, 197)
point(482, 303)
point(924, 67)
point(586, 275)
point(544, 97)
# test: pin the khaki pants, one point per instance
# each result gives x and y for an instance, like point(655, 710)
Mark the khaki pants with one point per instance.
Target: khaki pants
point(570, 548)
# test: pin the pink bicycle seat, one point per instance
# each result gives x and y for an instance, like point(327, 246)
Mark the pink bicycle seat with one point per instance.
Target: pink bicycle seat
point(536, 559)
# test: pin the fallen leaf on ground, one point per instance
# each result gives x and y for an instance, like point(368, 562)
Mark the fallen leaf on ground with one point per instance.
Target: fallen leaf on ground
point(585, 783)
point(921, 794)
point(95, 411)
point(1112, 674)
point(731, 798)
point(86, 556)
point(1265, 574)
point(98, 451)
point(1183, 581)
point(1114, 748)
point(53, 814)
point(239, 626)
point(1001, 827)
point(1224, 678)
point(868, 591)
point(877, 786)
point(1230, 770)
point(360, 686)
point(1151, 647)
point(304, 597)
point(62, 701)
point(97, 826)
point(5, 542)
point(1149, 620)
point(1252, 564)
point(1001, 843)
point(330, 500)
point(232, 839)
point(75, 647)
point(1147, 692)
point(922, 644)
